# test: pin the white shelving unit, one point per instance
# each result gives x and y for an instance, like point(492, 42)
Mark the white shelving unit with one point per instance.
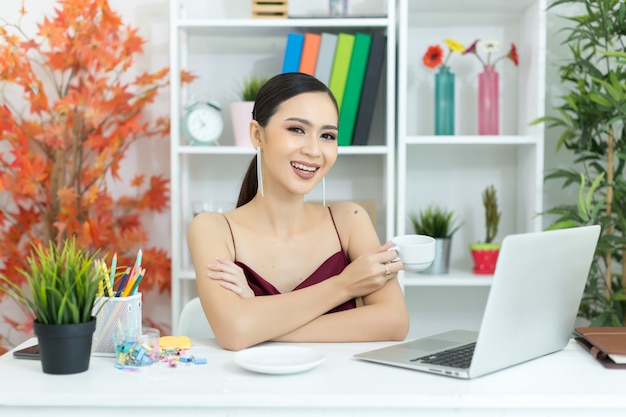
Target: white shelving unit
point(222, 45)
point(454, 170)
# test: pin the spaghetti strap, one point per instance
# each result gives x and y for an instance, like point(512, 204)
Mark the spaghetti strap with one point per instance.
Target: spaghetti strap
point(335, 225)
point(232, 237)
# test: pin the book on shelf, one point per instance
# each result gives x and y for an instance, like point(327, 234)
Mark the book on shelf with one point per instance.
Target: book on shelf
point(371, 81)
point(325, 57)
point(310, 51)
point(606, 344)
point(341, 65)
point(293, 52)
point(354, 85)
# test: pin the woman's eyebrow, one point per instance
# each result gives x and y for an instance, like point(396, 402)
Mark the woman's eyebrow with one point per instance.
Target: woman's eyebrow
point(308, 123)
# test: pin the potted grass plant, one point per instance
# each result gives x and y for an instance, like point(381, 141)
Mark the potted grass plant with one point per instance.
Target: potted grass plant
point(485, 253)
point(63, 284)
point(241, 111)
point(441, 224)
point(587, 123)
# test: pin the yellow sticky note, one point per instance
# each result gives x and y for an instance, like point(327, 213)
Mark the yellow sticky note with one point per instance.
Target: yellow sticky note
point(174, 342)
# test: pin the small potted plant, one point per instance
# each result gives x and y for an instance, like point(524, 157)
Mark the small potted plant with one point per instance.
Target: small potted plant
point(241, 111)
point(485, 254)
point(63, 284)
point(439, 223)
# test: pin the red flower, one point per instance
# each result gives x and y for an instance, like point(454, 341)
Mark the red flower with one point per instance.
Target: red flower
point(472, 48)
point(433, 56)
point(513, 54)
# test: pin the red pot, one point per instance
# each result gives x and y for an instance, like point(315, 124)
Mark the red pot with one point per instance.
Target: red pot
point(485, 257)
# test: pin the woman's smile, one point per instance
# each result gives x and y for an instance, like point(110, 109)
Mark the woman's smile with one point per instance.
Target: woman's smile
point(304, 170)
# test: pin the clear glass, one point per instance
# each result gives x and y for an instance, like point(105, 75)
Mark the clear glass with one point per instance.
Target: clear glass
point(444, 101)
point(338, 8)
point(488, 102)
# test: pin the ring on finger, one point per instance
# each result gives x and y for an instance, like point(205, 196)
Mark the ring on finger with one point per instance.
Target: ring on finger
point(387, 271)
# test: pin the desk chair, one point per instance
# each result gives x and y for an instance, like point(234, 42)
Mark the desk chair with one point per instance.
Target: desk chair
point(192, 321)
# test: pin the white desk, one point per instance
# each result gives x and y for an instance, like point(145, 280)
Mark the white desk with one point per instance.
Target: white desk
point(565, 383)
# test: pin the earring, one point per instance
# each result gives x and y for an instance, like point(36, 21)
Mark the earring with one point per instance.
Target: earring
point(259, 173)
point(324, 191)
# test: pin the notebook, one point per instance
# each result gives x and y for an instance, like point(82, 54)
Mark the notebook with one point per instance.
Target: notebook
point(530, 311)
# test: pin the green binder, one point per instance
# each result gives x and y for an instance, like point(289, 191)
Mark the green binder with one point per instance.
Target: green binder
point(354, 86)
point(341, 65)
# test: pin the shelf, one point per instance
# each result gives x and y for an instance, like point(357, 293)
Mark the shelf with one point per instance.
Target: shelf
point(221, 44)
point(187, 274)
point(452, 171)
point(466, 7)
point(456, 278)
point(265, 27)
point(237, 150)
point(472, 140)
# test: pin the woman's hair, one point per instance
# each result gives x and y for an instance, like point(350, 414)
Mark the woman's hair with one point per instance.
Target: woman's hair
point(272, 94)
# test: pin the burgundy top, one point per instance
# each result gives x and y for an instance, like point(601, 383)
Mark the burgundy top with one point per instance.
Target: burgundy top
point(332, 266)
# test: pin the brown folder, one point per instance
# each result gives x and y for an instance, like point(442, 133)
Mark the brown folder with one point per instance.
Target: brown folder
point(602, 341)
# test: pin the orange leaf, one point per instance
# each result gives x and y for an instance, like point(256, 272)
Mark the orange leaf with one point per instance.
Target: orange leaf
point(157, 197)
point(137, 180)
point(187, 77)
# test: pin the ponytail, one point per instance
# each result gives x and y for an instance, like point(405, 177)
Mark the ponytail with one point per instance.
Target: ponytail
point(249, 185)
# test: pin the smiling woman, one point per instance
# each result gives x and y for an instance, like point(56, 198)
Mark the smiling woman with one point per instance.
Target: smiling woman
point(277, 268)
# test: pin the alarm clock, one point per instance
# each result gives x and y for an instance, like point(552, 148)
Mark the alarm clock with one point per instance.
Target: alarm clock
point(202, 123)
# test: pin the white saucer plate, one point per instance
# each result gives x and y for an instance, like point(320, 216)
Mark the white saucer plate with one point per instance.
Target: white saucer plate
point(417, 267)
point(278, 359)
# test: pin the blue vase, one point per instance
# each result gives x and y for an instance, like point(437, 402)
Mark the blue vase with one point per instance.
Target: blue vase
point(444, 101)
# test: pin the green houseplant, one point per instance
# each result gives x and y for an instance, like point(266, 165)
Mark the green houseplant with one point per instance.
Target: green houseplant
point(251, 87)
point(435, 221)
point(440, 223)
point(485, 253)
point(241, 110)
point(62, 287)
point(590, 119)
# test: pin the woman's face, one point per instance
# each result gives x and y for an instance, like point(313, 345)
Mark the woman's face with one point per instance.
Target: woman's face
point(299, 143)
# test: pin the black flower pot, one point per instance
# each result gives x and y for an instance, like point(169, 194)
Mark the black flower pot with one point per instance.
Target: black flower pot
point(65, 348)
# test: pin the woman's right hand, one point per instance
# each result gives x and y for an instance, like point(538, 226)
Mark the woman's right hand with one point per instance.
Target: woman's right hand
point(371, 271)
point(231, 277)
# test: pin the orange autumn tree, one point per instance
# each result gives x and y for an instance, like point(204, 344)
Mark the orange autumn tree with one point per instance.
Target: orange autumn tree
point(70, 109)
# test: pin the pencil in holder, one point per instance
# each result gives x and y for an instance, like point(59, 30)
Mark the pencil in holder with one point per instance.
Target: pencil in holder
point(114, 313)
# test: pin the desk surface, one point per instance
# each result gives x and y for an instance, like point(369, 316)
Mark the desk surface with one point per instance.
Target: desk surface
point(569, 382)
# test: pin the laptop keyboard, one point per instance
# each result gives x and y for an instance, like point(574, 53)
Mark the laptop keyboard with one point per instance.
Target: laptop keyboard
point(459, 357)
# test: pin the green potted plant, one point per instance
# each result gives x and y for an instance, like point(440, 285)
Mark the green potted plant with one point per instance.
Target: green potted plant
point(589, 124)
point(441, 224)
point(62, 287)
point(241, 111)
point(485, 253)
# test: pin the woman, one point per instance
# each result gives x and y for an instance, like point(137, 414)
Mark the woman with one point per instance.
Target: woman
point(277, 268)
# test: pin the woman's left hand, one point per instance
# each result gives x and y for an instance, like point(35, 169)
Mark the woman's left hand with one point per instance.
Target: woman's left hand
point(231, 277)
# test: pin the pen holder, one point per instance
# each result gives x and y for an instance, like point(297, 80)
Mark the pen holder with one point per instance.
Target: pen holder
point(116, 313)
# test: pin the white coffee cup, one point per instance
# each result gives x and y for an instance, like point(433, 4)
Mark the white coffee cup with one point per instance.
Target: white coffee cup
point(417, 252)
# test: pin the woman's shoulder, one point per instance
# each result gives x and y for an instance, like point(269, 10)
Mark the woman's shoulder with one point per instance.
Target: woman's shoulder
point(350, 213)
point(347, 209)
point(208, 220)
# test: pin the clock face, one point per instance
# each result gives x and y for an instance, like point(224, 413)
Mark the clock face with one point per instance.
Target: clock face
point(204, 124)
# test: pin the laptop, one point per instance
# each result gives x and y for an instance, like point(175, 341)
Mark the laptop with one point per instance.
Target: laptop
point(530, 311)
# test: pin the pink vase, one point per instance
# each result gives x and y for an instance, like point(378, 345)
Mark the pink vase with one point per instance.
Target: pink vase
point(241, 116)
point(488, 102)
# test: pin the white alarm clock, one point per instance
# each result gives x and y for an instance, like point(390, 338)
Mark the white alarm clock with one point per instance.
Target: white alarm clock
point(202, 123)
